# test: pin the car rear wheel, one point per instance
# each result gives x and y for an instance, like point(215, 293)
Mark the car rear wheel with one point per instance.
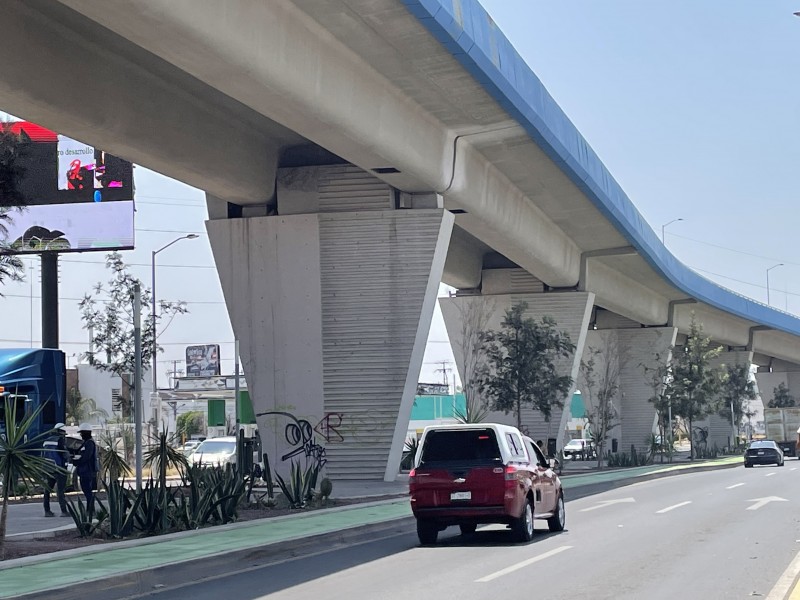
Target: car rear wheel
point(467, 528)
point(559, 519)
point(522, 527)
point(747, 465)
point(780, 464)
point(427, 532)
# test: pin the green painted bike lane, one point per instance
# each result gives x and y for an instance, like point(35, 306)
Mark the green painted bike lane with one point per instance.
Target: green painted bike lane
point(103, 561)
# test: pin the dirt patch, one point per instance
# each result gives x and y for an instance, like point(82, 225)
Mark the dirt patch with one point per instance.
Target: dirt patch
point(67, 540)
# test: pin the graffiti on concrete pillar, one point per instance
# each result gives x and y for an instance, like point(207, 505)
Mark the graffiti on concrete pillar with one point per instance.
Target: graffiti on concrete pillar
point(328, 427)
point(299, 434)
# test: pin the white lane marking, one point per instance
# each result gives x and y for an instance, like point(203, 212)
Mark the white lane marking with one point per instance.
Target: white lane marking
point(673, 507)
point(793, 469)
point(522, 565)
point(759, 502)
point(735, 485)
point(786, 581)
point(770, 474)
point(604, 503)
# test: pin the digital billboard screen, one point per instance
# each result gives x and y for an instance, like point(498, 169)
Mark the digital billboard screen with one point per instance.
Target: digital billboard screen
point(78, 197)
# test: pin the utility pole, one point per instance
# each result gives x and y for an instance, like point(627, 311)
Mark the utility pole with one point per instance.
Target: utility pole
point(444, 371)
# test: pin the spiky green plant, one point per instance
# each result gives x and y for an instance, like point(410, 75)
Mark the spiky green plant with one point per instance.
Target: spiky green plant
point(21, 458)
point(164, 455)
point(300, 485)
point(111, 462)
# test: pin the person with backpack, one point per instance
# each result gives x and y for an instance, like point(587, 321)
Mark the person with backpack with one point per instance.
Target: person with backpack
point(87, 465)
point(55, 450)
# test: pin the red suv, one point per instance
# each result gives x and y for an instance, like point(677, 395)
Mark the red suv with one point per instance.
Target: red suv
point(470, 474)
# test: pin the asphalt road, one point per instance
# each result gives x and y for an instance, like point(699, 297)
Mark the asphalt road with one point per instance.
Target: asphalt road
point(723, 534)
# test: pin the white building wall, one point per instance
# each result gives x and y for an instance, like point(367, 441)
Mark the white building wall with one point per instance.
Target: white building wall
point(99, 385)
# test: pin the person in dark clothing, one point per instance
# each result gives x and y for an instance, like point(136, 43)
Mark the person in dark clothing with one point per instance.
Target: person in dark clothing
point(55, 449)
point(86, 465)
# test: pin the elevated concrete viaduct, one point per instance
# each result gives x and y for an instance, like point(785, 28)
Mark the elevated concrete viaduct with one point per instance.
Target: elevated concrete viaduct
point(355, 153)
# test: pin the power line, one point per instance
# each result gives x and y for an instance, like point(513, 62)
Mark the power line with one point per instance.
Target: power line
point(704, 243)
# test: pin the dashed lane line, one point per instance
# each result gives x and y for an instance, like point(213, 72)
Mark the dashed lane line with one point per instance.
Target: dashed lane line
point(769, 474)
point(522, 565)
point(735, 485)
point(673, 507)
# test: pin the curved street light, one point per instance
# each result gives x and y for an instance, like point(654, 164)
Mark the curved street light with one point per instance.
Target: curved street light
point(664, 226)
point(190, 236)
point(768, 270)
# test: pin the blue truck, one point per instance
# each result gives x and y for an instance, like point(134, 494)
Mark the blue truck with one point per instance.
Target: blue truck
point(34, 377)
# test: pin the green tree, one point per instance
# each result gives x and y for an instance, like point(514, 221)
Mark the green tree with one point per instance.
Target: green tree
point(190, 423)
point(20, 457)
point(694, 385)
point(658, 374)
point(11, 199)
point(108, 315)
point(80, 409)
point(600, 387)
point(520, 364)
point(781, 398)
point(737, 390)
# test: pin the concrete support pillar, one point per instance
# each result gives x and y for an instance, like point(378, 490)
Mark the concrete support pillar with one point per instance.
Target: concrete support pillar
point(769, 378)
point(571, 311)
point(631, 350)
point(332, 311)
point(719, 429)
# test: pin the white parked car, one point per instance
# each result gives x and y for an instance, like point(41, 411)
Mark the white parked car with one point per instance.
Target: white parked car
point(215, 452)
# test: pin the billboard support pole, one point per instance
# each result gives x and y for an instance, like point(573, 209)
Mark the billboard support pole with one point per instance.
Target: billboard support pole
point(49, 299)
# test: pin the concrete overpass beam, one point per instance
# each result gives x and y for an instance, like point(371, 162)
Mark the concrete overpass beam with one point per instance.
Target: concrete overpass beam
point(622, 295)
point(571, 311)
point(149, 114)
point(332, 311)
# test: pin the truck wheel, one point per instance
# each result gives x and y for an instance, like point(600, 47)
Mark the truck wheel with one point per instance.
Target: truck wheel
point(559, 519)
point(427, 532)
point(522, 527)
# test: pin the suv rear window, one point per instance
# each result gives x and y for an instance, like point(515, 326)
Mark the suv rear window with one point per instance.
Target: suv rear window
point(466, 445)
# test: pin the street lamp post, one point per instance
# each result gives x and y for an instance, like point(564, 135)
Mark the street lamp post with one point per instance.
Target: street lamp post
point(664, 226)
point(190, 236)
point(768, 270)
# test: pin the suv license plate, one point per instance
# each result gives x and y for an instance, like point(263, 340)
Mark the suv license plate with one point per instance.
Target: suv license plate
point(760, 452)
point(461, 496)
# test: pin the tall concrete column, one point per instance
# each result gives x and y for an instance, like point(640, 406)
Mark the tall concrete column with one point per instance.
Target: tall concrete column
point(332, 311)
point(570, 310)
point(779, 372)
point(720, 430)
point(631, 349)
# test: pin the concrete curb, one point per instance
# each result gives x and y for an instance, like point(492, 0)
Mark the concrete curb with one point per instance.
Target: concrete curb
point(180, 573)
point(88, 550)
point(38, 535)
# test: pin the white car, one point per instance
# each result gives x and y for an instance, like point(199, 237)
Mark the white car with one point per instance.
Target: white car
point(580, 448)
point(215, 452)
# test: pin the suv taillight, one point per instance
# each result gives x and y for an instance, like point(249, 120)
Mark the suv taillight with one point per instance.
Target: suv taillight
point(511, 476)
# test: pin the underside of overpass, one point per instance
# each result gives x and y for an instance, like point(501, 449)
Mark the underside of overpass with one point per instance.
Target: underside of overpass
point(354, 154)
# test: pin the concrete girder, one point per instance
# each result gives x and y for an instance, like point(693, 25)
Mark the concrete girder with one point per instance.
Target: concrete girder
point(286, 66)
point(126, 108)
point(723, 329)
point(777, 344)
point(622, 295)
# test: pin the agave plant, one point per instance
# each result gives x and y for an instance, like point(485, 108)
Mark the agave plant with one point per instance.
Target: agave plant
point(20, 458)
point(112, 463)
point(164, 455)
point(300, 485)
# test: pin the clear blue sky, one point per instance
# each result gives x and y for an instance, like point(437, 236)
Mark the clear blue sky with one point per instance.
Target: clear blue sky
point(693, 105)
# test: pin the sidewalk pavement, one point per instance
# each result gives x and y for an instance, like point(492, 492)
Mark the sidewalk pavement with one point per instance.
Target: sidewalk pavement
point(138, 564)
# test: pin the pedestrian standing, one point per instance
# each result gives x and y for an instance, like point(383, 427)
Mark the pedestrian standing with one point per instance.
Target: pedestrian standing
point(87, 465)
point(55, 450)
